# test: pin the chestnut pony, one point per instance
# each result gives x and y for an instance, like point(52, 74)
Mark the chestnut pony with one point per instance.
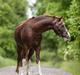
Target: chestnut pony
point(28, 36)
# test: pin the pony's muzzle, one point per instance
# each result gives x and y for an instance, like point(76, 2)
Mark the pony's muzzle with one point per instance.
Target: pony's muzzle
point(68, 38)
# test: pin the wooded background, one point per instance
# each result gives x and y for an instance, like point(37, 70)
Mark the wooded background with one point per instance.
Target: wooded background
point(57, 52)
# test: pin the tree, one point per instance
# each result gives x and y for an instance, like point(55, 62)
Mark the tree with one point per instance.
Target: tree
point(73, 22)
point(11, 13)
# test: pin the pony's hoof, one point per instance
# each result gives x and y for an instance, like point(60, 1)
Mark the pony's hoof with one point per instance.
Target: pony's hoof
point(28, 73)
point(39, 74)
point(17, 71)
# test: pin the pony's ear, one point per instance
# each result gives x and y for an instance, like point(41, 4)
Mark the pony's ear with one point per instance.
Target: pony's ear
point(60, 18)
point(53, 16)
point(33, 17)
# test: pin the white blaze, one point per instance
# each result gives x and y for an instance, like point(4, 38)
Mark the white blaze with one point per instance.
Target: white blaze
point(68, 32)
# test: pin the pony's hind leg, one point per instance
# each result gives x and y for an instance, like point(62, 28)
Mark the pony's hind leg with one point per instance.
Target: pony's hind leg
point(18, 65)
point(22, 68)
point(25, 62)
point(21, 62)
point(30, 53)
point(19, 58)
point(28, 59)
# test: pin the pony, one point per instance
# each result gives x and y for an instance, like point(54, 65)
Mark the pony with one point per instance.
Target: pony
point(28, 36)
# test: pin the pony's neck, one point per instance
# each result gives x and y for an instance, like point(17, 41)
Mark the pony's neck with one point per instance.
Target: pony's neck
point(43, 25)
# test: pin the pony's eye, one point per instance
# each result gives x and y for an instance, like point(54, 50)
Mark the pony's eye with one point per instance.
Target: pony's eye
point(62, 26)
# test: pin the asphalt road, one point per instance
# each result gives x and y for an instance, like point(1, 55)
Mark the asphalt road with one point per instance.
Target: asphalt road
point(34, 71)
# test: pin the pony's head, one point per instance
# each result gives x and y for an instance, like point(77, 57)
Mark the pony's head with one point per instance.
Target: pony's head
point(59, 28)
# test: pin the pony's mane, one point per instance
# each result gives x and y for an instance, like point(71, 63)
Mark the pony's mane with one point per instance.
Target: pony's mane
point(23, 22)
point(37, 18)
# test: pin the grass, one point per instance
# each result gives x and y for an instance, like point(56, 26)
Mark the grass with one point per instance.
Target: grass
point(72, 66)
point(6, 62)
point(49, 58)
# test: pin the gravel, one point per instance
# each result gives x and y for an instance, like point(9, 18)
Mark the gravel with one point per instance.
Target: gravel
point(34, 71)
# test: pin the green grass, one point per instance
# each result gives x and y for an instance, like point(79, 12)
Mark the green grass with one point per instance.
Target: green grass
point(72, 66)
point(6, 62)
point(50, 58)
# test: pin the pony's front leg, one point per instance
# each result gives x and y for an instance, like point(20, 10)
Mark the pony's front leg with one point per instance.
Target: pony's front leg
point(39, 68)
point(38, 60)
point(28, 68)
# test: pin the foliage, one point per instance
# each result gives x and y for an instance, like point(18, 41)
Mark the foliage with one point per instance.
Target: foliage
point(72, 66)
point(73, 21)
point(6, 62)
point(11, 13)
